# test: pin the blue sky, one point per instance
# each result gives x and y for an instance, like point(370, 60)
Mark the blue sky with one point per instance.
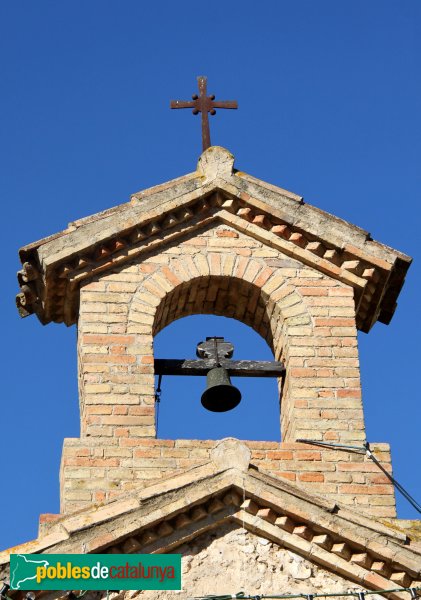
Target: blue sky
point(329, 107)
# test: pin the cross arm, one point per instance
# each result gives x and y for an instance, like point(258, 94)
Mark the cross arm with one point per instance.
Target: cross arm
point(182, 104)
point(225, 104)
point(236, 368)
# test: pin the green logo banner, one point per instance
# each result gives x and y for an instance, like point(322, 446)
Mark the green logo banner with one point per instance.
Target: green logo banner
point(95, 571)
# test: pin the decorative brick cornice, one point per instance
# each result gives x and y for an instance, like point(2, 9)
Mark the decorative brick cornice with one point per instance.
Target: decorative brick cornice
point(368, 568)
point(175, 511)
point(54, 268)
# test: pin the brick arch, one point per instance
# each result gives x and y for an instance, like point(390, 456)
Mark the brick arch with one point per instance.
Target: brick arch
point(216, 295)
point(243, 288)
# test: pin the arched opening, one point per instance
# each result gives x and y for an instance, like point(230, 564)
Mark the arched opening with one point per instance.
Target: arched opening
point(217, 306)
point(222, 296)
point(181, 414)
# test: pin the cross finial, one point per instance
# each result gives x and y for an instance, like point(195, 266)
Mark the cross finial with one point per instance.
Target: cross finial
point(204, 104)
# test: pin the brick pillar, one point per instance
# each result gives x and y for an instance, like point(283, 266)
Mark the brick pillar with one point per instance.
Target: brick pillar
point(115, 367)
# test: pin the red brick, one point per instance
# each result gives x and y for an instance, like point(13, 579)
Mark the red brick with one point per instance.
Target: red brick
point(226, 233)
point(334, 322)
point(366, 489)
point(151, 453)
point(331, 435)
point(81, 451)
point(105, 358)
point(101, 409)
point(348, 393)
point(107, 339)
point(105, 462)
point(127, 442)
point(378, 479)
point(339, 291)
point(307, 455)
point(170, 276)
point(154, 442)
point(99, 496)
point(147, 268)
point(263, 277)
point(296, 372)
point(121, 432)
point(313, 291)
point(330, 414)
point(280, 455)
point(362, 467)
point(118, 349)
point(147, 360)
point(311, 477)
point(48, 518)
point(141, 410)
point(285, 475)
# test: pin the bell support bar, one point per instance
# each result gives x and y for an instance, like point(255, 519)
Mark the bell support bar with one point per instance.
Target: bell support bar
point(216, 352)
point(236, 368)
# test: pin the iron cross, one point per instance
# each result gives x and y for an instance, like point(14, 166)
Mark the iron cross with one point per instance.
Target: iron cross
point(204, 104)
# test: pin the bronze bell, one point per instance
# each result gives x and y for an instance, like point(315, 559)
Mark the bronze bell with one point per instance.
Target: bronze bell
point(220, 395)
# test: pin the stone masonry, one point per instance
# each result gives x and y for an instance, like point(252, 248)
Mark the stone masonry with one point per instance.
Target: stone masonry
point(225, 515)
point(255, 565)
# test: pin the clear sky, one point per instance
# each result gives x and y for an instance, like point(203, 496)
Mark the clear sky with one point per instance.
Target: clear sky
point(329, 107)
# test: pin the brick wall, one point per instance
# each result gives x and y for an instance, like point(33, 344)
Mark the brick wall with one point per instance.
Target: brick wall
point(97, 470)
point(307, 318)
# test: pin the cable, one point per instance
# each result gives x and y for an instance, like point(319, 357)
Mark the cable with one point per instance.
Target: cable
point(360, 595)
point(360, 449)
point(398, 486)
point(366, 450)
point(157, 402)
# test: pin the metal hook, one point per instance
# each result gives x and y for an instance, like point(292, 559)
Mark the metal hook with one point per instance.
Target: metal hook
point(158, 390)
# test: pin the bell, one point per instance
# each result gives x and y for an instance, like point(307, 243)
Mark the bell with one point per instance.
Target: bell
point(220, 395)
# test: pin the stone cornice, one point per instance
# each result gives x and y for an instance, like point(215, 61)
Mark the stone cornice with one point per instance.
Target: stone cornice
point(167, 514)
point(54, 268)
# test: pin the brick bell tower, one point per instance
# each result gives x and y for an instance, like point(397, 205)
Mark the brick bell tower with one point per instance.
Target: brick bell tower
point(269, 515)
point(216, 241)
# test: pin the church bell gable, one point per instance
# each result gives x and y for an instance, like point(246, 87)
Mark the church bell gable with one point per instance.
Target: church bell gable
point(216, 241)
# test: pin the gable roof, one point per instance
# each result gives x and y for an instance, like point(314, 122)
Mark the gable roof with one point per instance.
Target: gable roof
point(54, 267)
point(165, 515)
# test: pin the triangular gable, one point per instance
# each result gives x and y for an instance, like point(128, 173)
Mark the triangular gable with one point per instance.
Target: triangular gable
point(165, 515)
point(54, 267)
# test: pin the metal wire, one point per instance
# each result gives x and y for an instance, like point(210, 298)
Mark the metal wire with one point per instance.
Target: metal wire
point(366, 450)
point(397, 485)
point(361, 449)
point(157, 402)
point(360, 595)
